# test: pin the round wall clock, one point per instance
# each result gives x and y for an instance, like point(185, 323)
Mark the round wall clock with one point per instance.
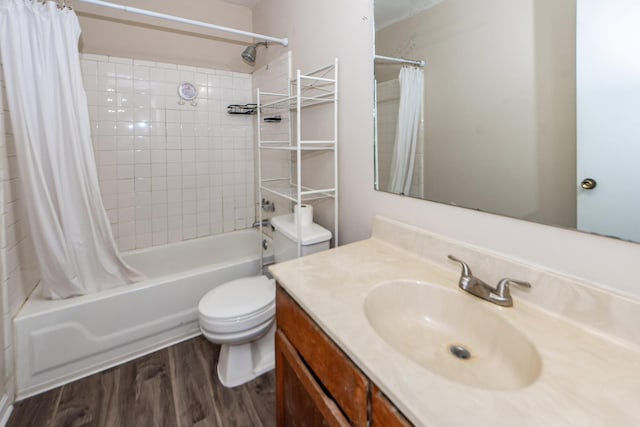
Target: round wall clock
point(187, 92)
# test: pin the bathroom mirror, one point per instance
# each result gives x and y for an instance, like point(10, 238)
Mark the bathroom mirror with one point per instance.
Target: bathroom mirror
point(529, 108)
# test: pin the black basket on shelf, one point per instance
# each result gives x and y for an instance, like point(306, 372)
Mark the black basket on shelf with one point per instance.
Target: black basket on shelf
point(242, 109)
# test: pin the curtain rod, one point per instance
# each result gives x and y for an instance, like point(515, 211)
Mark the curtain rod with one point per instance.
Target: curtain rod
point(420, 63)
point(282, 41)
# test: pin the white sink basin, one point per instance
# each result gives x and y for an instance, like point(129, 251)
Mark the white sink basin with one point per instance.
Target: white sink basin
point(452, 334)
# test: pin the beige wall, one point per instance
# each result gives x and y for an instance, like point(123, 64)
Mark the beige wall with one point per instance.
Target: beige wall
point(499, 121)
point(114, 33)
point(320, 31)
point(313, 28)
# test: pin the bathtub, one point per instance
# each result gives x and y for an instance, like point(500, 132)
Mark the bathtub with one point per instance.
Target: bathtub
point(59, 341)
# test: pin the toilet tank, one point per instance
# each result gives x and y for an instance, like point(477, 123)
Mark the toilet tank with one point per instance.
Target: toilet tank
point(315, 238)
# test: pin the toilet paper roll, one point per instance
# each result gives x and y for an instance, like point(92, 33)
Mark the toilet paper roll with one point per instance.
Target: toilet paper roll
point(306, 214)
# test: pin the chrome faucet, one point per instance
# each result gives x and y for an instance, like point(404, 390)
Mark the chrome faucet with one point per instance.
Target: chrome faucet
point(259, 224)
point(499, 295)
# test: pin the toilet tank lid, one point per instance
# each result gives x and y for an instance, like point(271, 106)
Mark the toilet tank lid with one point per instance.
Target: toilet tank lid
point(311, 234)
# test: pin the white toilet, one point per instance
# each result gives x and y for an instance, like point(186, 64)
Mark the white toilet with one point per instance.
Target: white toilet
point(240, 314)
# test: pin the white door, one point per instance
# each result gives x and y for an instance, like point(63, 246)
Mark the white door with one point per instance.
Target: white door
point(608, 117)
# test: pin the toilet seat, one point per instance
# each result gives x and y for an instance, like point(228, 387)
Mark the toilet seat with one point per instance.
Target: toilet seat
point(244, 336)
point(238, 305)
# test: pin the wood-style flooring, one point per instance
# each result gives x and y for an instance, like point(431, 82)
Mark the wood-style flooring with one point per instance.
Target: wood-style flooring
point(176, 386)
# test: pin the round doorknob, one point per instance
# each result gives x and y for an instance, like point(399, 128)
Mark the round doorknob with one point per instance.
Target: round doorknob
point(588, 183)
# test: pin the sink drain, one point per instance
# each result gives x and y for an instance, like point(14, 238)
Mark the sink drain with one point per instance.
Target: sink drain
point(460, 352)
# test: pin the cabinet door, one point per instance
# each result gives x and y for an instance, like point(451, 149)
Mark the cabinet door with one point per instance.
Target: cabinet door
point(300, 401)
point(384, 414)
point(340, 378)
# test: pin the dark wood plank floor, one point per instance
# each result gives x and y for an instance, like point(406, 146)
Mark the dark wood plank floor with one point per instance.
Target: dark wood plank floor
point(176, 386)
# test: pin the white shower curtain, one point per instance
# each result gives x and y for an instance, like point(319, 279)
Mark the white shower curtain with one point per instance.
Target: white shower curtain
point(49, 115)
point(407, 130)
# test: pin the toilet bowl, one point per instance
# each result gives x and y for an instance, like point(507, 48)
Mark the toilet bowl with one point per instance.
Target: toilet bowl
point(240, 314)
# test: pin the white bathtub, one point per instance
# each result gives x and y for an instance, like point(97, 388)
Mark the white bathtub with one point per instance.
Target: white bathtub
point(60, 341)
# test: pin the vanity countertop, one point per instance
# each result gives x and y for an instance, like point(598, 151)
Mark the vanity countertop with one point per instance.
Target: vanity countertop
point(587, 379)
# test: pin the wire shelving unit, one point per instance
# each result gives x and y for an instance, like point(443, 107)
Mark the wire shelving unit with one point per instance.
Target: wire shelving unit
point(306, 91)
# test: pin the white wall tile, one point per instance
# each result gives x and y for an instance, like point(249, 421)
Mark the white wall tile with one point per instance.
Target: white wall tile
point(125, 157)
point(160, 238)
point(125, 185)
point(142, 184)
point(142, 156)
point(125, 171)
point(144, 240)
point(162, 164)
point(126, 243)
point(106, 69)
point(143, 198)
point(126, 200)
point(158, 169)
point(159, 183)
point(190, 233)
point(126, 214)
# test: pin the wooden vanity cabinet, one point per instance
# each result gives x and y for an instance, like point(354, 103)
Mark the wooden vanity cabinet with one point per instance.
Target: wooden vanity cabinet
point(300, 399)
point(383, 413)
point(316, 383)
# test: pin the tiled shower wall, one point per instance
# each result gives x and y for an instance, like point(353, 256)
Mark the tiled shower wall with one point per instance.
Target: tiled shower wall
point(170, 171)
point(18, 268)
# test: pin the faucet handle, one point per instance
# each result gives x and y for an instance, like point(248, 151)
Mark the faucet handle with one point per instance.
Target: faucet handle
point(502, 292)
point(504, 284)
point(466, 270)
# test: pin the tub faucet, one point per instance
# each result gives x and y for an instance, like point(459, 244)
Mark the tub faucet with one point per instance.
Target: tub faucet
point(264, 223)
point(499, 295)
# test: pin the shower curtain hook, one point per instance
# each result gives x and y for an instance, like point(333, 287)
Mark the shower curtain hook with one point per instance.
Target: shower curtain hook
point(61, 4)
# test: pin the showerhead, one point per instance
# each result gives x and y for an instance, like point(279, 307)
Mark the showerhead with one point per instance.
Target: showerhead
point(249, 54)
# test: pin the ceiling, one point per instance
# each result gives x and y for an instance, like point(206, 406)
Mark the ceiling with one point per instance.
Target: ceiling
point(389, 12)
point(247, 3)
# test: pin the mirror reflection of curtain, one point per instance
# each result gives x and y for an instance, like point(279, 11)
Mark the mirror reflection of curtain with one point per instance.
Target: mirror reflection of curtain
point(387, 102)
point(50, 118)
point(411, 81)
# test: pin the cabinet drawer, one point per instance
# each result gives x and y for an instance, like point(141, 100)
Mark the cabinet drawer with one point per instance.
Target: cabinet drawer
point(339, 376)
point(384, 413)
